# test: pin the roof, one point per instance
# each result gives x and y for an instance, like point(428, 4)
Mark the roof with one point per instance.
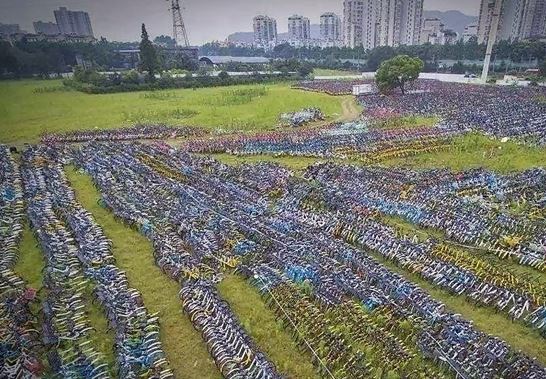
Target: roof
point(225, 59)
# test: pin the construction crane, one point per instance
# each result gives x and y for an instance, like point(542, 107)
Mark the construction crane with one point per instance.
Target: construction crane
point(179, 29)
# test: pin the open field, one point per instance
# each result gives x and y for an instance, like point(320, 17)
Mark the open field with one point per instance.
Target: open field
point(183, 222)
point(25, 115)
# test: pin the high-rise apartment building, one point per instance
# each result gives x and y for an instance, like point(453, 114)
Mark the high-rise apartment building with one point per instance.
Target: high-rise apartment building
point(470, 31)
point(265, 31)
point(432, 30)
point(390, 22)
point(519, 19)
point(75, 23)
point(361, 19)
point(8, 29)
point(411, 22)
point(372, 23)
point(299, 30)
point(47, 28)
point(330, 30)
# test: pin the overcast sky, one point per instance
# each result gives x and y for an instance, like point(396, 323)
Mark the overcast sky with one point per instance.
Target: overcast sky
point(206, 20)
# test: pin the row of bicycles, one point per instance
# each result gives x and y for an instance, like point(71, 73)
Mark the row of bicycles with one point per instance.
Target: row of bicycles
point(251, 217)
point(167, 215)
point(80, 268)
point(20, 341)
point(336, 141)
point(448, 266)
point(476, 208)
point(136, 132)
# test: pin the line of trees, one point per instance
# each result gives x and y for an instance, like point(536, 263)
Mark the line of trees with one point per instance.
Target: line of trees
point(519, 51)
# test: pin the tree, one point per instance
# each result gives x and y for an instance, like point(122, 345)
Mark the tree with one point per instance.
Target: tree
point(543, 68)
point(223, 75)
point(148, 55)
point(396, 72)
point(165, 41)
point(305, 69)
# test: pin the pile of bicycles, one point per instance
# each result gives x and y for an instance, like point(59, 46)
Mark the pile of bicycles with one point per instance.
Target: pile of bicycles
point(79, 261)
point(137, 132)
point(20, 341)
point(300, 118)
point(339, 141)
point(301, 243)
point(495, 110)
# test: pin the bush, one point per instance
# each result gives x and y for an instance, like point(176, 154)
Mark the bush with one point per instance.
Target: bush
point(105, 86)
point(223, 75)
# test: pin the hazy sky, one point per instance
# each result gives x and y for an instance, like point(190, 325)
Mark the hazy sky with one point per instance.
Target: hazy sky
point(205, 20)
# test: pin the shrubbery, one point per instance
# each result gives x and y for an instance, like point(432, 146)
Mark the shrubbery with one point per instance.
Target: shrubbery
point(94, 83)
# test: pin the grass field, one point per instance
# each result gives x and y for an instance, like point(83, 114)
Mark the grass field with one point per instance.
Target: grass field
point(26, 114)
point(476, 150)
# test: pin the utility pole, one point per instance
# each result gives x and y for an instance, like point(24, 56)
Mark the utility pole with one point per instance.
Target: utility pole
point(179, 29)
point(493, 29)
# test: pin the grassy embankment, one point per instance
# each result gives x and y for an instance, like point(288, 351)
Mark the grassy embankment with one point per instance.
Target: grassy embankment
point(26, 114)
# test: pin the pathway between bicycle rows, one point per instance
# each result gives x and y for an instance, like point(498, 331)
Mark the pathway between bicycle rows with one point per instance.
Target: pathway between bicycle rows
point(134, 254)
point(182, 343)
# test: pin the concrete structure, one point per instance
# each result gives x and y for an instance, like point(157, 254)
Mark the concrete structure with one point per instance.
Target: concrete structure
point(390, 19)
point(411, 22)
point(330, 30)
point(519, 19)
point(470, 31)
point(9, 29)
point(47, 28)
point(265, 32)
point(75, 23)
point(362, 20)
point(299, 31)
point(533, 22)
point(433, 32)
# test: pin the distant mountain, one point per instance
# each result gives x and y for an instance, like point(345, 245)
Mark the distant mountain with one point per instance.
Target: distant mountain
point(248, 37)
point(454, 20)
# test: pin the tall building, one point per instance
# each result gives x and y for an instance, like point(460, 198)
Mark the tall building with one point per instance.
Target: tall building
point(470, 31)
point(265, 31)
point(391, 18)
point(330, 29)
point(8, 29)
point(534, 19)
point(299, 30)
point(361, 23)
point(412, 19)
point(47, 28)
point(432, 30)
point(519, 19)
point(75, 23)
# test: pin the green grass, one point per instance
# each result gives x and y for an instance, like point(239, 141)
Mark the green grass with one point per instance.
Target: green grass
point(329, 72)
point(183, 345)
point(25, 114)
point(474, 151)
point(260, 323)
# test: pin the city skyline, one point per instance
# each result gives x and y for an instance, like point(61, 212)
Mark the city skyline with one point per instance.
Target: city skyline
point(106, 15)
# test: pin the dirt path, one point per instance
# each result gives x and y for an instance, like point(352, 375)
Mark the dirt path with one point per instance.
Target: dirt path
point(350, 110)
